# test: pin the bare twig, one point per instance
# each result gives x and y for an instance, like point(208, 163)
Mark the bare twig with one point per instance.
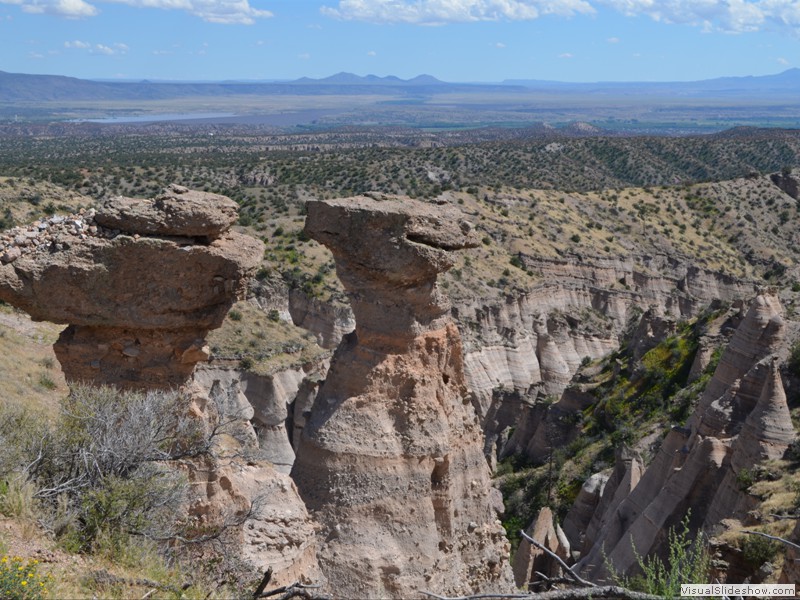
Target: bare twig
point(557, 558)
point(264, 582)
point(772, 537)
point(295, 590)
point(593, 593)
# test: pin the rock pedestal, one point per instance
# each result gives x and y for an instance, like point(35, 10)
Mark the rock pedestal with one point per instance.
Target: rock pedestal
point(391, 460)
point(140, 283)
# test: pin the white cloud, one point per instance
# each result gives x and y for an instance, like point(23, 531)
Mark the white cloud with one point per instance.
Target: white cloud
point(783, 61)
point(112, 50)
point(566, 55)
point(77, 44)
point(229, 12)
point(304, 56)
point(613, 40)
point(499, 45)
point(729, 16)
point(70, 9)
point(372, 53)
point(438, 12)
point(732, 16)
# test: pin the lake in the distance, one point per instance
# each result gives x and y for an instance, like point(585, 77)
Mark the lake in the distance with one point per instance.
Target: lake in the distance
point(156, 118)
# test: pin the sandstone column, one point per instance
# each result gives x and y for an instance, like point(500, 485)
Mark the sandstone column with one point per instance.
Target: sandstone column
point(391, 461)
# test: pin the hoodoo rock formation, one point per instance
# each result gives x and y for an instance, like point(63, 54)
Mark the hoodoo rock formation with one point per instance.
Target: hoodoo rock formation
point(741, 419)
point(391, 460)
point(140, 283)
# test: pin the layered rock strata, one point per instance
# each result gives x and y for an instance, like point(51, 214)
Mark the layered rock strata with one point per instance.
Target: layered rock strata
point(525, 346)
point(139, 298)
point(391, 459)
point(140, 283)
point(741, 419)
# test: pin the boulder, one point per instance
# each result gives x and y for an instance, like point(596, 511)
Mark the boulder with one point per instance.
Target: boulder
point(175, 212)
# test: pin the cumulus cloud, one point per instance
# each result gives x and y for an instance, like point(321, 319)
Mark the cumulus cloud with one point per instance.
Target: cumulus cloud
point(439, 12)
point(229, 12)
point(372, 53)
point(77, 44)
point(613, 40)
point(70, 9)
point(111, 50)
point(565, 55)
point(730, 16)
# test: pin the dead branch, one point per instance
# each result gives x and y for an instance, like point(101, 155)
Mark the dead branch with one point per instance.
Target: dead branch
point(772, 537)
point(610, 591)
point(264, 582)
point(557, 558)
point(294, 590)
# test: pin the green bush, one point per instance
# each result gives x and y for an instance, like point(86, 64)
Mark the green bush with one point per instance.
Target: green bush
point(794, 359)
point(107, 465)
point(20, 579)
point(757, 550)
point(688, 561)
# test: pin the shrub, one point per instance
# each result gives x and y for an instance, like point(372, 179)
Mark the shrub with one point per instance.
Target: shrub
point(757, 550)
point(794, 359)
point(688, 561)
point(107, 466)
point(20, 579)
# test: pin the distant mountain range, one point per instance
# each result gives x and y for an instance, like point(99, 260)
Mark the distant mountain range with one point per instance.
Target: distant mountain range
point(17, 87)
point(787, 82)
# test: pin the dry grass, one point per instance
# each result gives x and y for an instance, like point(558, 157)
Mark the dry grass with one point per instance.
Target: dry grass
point(249, 336)
point(29, 371)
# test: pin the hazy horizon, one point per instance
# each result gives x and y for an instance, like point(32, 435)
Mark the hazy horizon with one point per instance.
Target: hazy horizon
point(453, 40)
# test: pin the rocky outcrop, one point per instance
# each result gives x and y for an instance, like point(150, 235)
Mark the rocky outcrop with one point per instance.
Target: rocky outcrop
point(327, 321)
point(391, 459)
point(279, 404)
point(138, 304)
point(530, 561)
point(740, 420)
point(534, 342)
point(140, 283)
point(788, 182)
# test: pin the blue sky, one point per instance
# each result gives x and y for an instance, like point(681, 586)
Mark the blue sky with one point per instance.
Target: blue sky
point(454, 40)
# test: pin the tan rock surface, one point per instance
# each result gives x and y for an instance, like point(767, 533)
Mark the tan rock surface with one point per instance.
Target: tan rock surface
point(391, 460)
point(530, 560)
point(138, 305)
point(740, 420)
point(177, 211)
point(139, 302)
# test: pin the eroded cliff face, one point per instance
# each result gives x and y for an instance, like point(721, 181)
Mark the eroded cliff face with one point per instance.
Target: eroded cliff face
point(526, 346)
point(532, 344)
point(391, 460)
point(741, 420)
point(140, 283)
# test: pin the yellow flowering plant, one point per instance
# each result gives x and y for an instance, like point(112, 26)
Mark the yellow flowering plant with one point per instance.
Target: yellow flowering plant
point(20, 579)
